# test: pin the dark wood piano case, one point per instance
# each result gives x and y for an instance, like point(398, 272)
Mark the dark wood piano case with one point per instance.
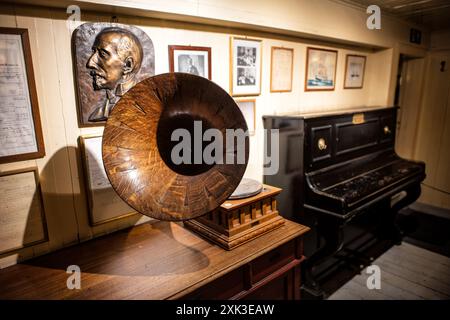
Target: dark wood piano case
point(335, 168)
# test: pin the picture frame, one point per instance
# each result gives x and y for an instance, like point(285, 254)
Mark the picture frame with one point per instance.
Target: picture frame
point(245, 66)
point(281, 69)
point(354, 71)
point(321, 67)
point(24, 222)
point(104, 205)
point(189, 59)
point(248, 109)
point(20, 126)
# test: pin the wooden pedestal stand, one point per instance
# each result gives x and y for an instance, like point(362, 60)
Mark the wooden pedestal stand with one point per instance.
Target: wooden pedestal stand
point(236, 222)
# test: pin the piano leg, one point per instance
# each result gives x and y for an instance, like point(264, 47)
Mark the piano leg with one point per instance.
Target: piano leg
point(390, 229)
point(331, 230)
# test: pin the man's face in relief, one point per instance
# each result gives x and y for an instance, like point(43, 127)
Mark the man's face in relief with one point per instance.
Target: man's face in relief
point(106, 64)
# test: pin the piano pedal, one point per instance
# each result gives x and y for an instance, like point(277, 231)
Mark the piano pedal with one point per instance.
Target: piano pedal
point(312, 293)
point(355, 260)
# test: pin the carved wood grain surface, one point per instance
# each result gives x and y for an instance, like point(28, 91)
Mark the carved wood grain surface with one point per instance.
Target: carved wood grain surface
point(132, 153)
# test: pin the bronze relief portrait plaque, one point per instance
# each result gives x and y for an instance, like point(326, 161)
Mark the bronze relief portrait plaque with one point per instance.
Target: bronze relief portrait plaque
point(110, 58)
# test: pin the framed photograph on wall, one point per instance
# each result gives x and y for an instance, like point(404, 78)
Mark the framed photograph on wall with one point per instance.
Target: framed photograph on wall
point(20, 125)
point(104, 205)
point(281, 69)
point(320, 69)
point(354, 71)
point(248, 109)
point(194, 60)
point(23, 221)
point(245, 66)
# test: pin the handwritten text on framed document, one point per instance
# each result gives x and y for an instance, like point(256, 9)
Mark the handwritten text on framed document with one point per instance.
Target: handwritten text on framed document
point(20, 126)
point(281, 70)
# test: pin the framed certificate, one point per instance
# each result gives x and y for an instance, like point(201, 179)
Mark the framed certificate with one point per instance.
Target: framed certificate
point(281, 69)
point(22, 216)
point(104, 205)
point(20, 126)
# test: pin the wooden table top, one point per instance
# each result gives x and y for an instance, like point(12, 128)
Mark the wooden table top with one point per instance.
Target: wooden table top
point(159, 260)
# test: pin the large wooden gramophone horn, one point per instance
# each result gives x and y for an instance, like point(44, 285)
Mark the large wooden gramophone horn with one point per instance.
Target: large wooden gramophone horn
point(137, 146)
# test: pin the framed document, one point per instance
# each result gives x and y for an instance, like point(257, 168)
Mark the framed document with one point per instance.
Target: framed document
point(320, 69)
point(104, 205)
point(354, 71)
point(194, 60)
point(281, 69)
point(245, 66)
point(22, 216)
point(248, 109)
point(20, 125)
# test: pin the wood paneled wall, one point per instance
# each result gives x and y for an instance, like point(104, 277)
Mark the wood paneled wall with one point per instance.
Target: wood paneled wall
point(433, 131)
point(60, 171)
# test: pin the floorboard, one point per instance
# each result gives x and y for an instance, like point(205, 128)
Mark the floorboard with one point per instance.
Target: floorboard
point(407, 273)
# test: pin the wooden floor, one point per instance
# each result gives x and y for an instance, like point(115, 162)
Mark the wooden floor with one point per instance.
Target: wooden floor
point(407, 272)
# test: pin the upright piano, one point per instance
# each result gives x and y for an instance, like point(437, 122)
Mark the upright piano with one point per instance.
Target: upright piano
point(335, 167)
